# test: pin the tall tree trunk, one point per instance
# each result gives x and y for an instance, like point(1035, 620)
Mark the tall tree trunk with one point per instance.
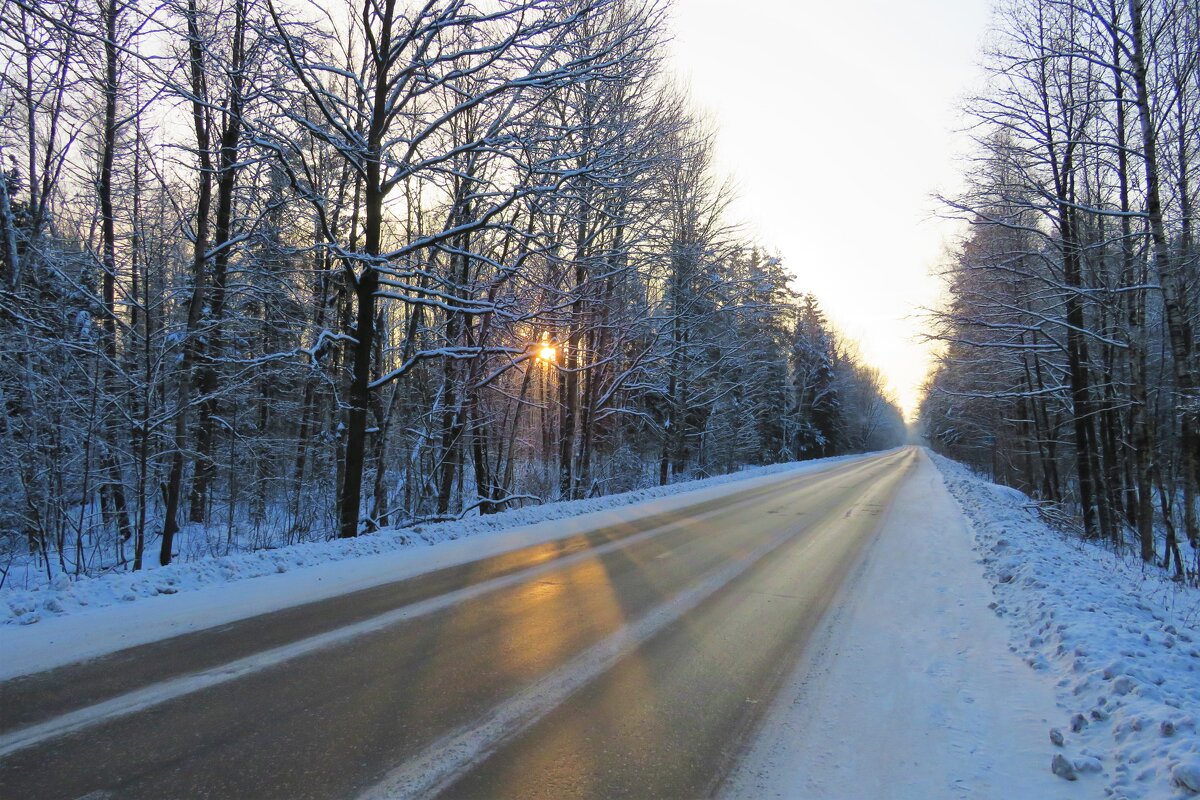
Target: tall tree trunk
point(228, 168)
point(364, 347)
point(196, 304)
point(1081, 406)
point(113, 487)
point(1170, 278)
point(1142, 448)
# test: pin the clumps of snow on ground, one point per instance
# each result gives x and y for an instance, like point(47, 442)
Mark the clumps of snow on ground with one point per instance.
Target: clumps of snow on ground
point(65, 594)
point(1121, 641)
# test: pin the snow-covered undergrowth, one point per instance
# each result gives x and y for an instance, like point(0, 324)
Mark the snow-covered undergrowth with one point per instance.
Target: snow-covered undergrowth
point(66, 595)
point(1122, 643)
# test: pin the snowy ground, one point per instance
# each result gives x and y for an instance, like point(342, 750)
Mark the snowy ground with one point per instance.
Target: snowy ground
point(970, 639)
point(1121, 644)
point(93, 616)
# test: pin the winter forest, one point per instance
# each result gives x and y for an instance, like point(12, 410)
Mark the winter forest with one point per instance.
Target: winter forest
point(275, 271)
point(1070, 361)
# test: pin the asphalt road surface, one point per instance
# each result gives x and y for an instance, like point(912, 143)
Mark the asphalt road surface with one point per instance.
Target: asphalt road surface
point(632, 661)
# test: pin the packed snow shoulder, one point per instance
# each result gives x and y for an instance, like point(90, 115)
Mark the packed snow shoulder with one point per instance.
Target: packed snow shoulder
point(1120, 640)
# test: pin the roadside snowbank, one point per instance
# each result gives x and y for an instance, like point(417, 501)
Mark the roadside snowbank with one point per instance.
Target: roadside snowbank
point(1122, 644)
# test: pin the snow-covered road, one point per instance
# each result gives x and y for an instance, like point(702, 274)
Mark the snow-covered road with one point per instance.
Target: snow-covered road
point(910, 690)
point(869, 627)
point(628, 660)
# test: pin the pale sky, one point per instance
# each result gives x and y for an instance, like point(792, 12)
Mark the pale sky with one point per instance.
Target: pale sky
point(837, 123)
